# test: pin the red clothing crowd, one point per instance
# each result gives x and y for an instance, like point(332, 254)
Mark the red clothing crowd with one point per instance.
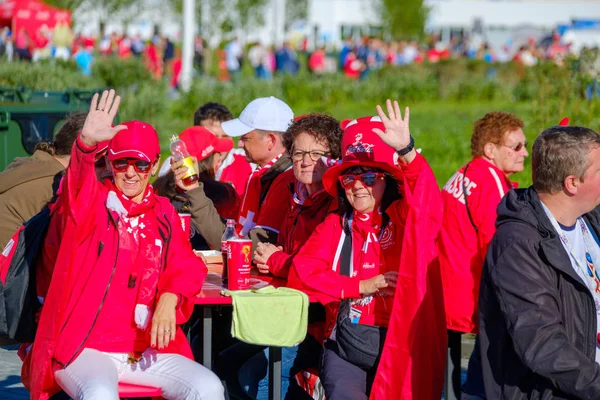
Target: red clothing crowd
point(349, 213)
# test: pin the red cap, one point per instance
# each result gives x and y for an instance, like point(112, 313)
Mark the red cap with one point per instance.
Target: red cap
point(201, 142)
point(344, 123)
point(139, 140)
point(361, 146)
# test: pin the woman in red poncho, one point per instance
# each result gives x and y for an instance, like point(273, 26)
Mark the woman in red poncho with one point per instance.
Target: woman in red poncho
point(373, 265)
point(123, 277)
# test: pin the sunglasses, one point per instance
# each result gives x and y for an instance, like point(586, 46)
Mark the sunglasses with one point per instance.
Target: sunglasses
point(368, 179)
point(140, 166)
point(517, 147)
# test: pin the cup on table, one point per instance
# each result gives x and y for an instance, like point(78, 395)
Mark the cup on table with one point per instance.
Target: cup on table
point(239, 258)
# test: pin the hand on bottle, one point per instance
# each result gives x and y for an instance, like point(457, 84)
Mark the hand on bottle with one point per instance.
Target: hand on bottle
point(98, 123)
point(180, 170)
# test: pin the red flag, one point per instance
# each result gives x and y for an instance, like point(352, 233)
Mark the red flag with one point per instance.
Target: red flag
point(413, 361)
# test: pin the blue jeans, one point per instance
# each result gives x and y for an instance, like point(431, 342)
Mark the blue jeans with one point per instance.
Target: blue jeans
point(254, 374)
point(474, 384)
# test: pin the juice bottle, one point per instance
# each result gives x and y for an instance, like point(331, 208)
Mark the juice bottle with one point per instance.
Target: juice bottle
point(179, 152)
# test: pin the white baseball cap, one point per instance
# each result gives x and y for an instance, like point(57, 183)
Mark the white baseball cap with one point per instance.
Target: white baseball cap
point(265, 113)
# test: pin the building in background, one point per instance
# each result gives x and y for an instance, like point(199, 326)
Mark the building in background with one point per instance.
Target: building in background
point(498, 22)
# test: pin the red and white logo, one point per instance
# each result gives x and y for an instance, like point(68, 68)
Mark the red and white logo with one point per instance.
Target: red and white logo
point(358, 146)
point(387, 238)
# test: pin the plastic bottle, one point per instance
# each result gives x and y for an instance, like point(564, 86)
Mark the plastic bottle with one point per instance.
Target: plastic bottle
point(179, 152)
point(229, 234)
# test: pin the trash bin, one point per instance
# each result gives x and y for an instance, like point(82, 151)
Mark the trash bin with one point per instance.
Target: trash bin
point(28, 117)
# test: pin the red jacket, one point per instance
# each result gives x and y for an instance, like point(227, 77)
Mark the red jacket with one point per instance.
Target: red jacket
point(84, 267)
point(235, 170)
point(299, 223)
point(413, 360)
point(352, 66)
point(275, 204)
point(461, 249)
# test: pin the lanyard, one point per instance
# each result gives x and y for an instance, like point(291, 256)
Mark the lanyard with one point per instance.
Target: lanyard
point(588, 268)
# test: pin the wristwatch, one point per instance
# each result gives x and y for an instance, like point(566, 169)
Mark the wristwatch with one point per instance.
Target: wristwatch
point(407, 149)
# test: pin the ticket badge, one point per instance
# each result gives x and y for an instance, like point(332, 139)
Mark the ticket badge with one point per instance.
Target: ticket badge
point(355, 315)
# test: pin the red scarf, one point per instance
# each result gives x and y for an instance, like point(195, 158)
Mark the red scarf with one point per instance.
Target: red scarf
point(138, 233)
point(251, 203)
point(367, 260)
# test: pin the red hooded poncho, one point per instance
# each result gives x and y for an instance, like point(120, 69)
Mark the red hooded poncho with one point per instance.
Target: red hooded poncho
point(413, 360)
point(84, 266)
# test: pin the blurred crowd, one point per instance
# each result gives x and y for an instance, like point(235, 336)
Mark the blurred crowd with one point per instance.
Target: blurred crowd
point(356, 58)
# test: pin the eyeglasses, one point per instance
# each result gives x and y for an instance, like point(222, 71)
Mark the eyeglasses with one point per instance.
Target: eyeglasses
point(368, 179)
point(298, 155)
point(140, 166)
point(517, 147)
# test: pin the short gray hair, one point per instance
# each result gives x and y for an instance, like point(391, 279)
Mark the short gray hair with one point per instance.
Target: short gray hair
point(558, 152)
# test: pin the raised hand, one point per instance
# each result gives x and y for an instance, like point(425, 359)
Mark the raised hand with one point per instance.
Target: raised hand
point(98, 124)
point(397, 133)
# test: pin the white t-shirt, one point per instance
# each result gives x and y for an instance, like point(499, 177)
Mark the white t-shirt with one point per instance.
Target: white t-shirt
point(233, 51)
point(575, 236)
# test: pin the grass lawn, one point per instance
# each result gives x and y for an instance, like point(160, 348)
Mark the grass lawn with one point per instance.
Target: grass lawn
point(442, 129)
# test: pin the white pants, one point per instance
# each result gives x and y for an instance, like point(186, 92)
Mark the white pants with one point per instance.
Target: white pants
point(95, 375)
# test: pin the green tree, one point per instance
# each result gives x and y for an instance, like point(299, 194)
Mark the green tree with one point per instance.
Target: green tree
point(107, 8)
point(295, 10)
point(404, 19)
point(71, 5)
point(227, 15)
point(249, 13)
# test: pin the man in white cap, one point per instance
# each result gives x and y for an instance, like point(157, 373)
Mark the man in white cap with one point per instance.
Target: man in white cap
point(261, 126)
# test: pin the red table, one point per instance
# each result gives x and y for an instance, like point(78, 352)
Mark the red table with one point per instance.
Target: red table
point(211, 296)
point(211, 290)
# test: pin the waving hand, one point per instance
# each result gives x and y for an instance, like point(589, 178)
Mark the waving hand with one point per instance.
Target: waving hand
point(98, 124)
point(397, 132)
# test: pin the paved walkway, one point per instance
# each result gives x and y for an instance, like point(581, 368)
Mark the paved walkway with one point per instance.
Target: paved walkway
point(11, 387)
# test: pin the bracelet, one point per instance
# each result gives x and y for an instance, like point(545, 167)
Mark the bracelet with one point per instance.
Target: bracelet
point(407, 149)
